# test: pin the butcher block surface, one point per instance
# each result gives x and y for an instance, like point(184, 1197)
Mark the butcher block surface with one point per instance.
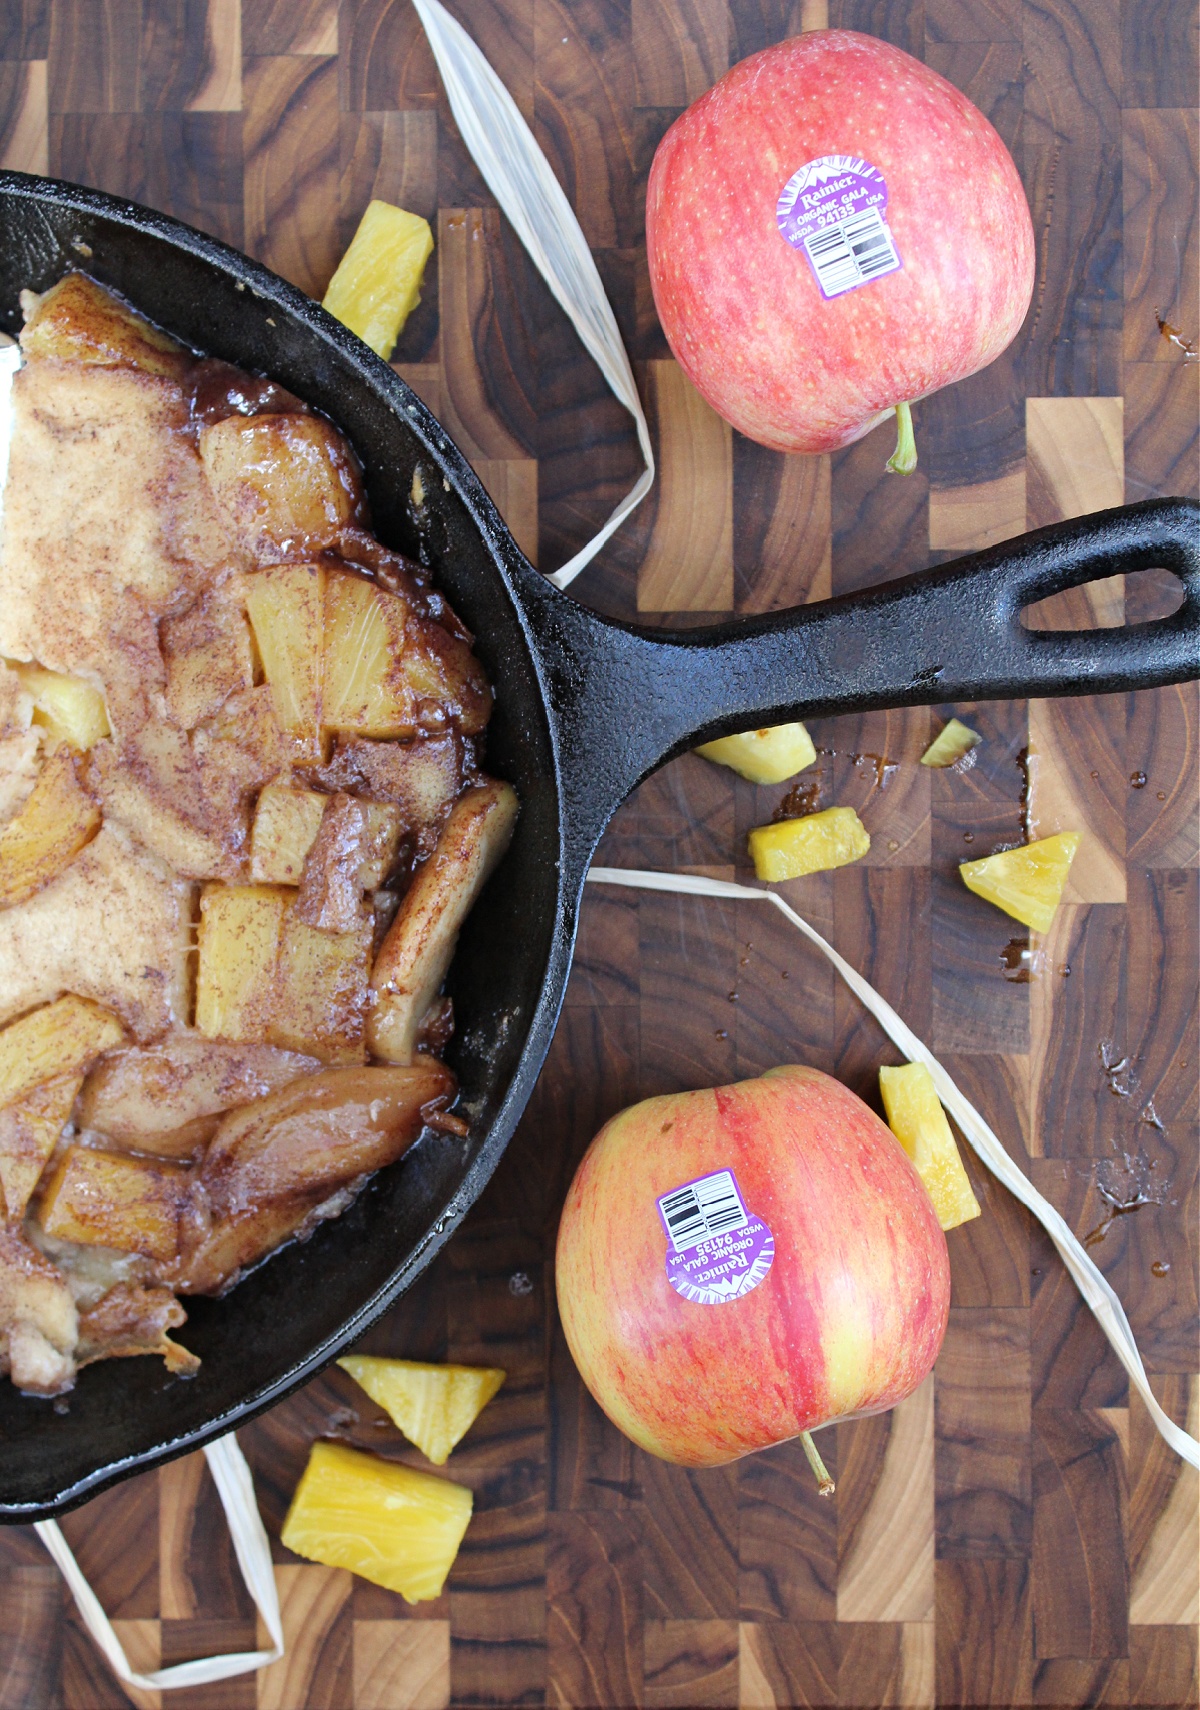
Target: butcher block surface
point(1016, 1533)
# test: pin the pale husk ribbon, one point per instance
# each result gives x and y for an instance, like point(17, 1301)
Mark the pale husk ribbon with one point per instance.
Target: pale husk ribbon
point(231, 1475)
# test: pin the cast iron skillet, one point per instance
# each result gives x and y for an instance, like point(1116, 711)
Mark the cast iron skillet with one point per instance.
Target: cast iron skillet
point(585, 709)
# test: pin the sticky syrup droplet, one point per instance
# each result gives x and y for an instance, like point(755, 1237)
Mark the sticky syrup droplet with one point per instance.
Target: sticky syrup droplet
point(968, 837)
point(1137, 780)
point(1160, 1268)
point(1162, 795)
point(721, 1033)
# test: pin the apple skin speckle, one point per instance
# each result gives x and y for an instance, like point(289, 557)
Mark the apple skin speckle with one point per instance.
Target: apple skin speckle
point(740, 306)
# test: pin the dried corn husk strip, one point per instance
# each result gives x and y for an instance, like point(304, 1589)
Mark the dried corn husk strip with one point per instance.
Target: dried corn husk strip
point(235, 1487)
point(1100, 1297)
point(519, 177)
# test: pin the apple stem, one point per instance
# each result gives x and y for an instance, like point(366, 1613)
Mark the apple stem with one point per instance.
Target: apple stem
point(825, 1485)
point(904, 459)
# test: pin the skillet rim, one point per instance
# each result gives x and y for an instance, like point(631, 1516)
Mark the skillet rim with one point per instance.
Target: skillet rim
point(521, 582)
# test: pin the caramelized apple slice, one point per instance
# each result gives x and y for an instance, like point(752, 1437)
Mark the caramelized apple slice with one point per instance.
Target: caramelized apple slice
point(276, 1167)
point(29, 1132)
point(79, 321)
point(286, 608)
point(57, 820)
point(319, 1133)
point(416, 954)
point(240, 931)
point(168, 1097)
point(289, 483)
point(421, 778)
point(321, 991)
point(331, 887)
point(388, 1523)
point(435, 1406)
point(915, 1116)
point(69, 709)
point(108, 1199)
point(793, 847)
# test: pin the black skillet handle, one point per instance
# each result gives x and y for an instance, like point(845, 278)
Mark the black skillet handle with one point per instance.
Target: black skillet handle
point(627, 699)
point(955, 633)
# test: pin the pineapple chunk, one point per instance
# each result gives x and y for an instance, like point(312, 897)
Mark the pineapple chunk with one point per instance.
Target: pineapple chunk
point(57, 820)
point(208, 658)
point(435, 1406)
point(286, 611)
point(915, 1116)
point(240, 931)
point(950, 744)
point(320, 1000)
point(793, 847)
point(286, 822)
point(378, 281)
point(1026, 883)
point(62, 1038)
point(69, 709)
point(366, 688)
point(764, 756)
point(29, 1132)
point(108, 1199)
point(391, 1524)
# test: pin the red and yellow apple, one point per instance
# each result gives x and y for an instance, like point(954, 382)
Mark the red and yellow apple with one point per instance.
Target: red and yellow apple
point(821, 1292)
point(833, 231)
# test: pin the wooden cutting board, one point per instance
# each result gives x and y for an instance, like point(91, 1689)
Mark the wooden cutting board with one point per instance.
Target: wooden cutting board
point(1016, 1533)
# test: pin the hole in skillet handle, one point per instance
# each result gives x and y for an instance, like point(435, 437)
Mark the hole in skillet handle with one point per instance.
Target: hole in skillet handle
point(1103, 641)
point(1135, 596)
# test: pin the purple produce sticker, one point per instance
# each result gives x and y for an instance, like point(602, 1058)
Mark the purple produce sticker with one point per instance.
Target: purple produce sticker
point(833, 209)
point(716, 1250)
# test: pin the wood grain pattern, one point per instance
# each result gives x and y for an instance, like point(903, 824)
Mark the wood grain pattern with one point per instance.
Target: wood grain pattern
point(1017, 1534)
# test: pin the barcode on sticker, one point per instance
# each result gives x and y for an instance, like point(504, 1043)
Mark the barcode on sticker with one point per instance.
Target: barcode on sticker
point(701, 1209)
point(852, 253)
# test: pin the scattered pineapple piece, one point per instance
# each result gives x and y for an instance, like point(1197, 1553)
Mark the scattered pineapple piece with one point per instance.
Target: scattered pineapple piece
point(58, 818)
point(435, 1406)
point(321, 994)
point(391, 1524)
point(108, 1199)
point(1028, 882)
point(286, 612)
point(69, 709)
point(950, 744)
point(764, 756)
point(29, 1132)
point(915, 1116)
point(286, 822)
point(61, 1038)
point(378, 281)
point(240, 931)
point(793, 847)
